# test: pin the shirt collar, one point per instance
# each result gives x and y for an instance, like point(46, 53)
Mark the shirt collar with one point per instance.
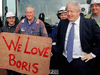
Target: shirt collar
point(77, 21)
point(32, 21)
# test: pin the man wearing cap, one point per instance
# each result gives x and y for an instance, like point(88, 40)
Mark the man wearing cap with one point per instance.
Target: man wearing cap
point(95, 14)
point(61, 14)
point(10, 27)
point(11, 23)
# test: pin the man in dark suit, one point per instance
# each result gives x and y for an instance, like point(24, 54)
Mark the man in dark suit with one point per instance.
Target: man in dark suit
point(75, 42)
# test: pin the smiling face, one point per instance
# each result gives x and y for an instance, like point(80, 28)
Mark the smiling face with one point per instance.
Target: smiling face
point(95, 8)
point(72, 13)
point(63, 15)
point(11, 20)
point(30, 13)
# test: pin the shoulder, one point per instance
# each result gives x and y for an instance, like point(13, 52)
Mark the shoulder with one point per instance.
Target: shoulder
point(22, 21)
point(88, 16)
point(38, 21)
point(4, 27)
point(64, 20)
point(89, 21)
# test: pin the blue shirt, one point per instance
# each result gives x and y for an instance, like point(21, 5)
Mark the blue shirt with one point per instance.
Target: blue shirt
point(36, 28)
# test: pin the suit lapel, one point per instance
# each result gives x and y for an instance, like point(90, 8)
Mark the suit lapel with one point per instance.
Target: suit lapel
point(65, 28)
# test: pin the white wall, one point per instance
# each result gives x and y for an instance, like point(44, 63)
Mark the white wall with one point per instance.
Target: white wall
point(11, 5)
point(0, 7)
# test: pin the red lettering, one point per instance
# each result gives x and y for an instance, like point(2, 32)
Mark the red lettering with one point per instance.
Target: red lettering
point(29, 67)
point(24, 65)
point(35, 68)
point(46, 52)
point(11, 59)
point(34, 52)
point(12, 42)
point(18, 64)
point(41, 52)
point(27, 46)
point(19, 46)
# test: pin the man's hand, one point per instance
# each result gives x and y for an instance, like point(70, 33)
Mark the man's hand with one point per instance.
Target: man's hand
point(86, 57)
point(51, 54)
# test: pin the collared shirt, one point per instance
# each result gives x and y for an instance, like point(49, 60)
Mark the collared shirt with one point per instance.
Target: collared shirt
point(77, 50)
point(34, 28)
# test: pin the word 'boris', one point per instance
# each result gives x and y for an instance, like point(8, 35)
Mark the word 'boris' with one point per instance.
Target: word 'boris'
point(33, 51)
point(22, 65)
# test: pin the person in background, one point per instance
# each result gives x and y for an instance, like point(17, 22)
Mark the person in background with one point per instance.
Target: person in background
point(75, 39)
point(61, 14)
point(10, 27)
point(30, 25)
point(95, 14)
point(11, 23)
point(95, 11)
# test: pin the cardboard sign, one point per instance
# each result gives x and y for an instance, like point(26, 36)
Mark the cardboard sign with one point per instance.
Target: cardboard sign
point(25, 53)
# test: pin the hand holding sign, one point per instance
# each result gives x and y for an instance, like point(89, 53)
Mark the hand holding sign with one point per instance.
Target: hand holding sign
point(25, 53)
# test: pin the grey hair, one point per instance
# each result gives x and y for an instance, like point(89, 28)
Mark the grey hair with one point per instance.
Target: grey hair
point(75, 4)
point(31, 7)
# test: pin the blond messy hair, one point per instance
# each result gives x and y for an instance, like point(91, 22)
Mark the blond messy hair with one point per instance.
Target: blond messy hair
point(74, 4)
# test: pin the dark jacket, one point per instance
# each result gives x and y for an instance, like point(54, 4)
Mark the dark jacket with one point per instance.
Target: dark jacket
point(8, 28)
point(1, 24)
point(89, 32)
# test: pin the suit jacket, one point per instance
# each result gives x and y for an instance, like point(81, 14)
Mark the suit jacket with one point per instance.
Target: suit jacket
point(89, 33)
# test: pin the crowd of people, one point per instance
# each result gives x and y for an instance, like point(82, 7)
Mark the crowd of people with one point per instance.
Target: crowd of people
point(75, 42)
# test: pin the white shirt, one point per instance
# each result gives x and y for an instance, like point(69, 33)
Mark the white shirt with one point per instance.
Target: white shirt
point(77, 50)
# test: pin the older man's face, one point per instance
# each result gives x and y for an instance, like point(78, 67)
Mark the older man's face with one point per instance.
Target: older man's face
point(95, 8)
point(30, 13)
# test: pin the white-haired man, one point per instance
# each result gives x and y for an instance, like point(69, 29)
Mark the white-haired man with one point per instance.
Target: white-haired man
point(30, 25)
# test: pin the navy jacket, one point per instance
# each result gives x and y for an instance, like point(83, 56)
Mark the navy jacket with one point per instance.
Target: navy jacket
point(89, 33)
